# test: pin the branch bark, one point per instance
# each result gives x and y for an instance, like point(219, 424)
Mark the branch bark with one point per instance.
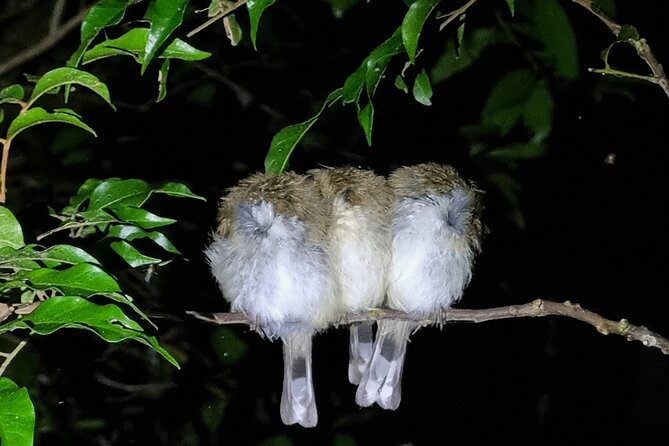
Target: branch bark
point(49, 41)
point(536, 308)
point(641, 46)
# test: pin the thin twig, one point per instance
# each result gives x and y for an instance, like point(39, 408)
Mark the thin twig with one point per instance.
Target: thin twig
point(3, 169)
point(640, 45)
point(455, 14)
point(9, 357)
point(43, 45)
point(56, 16)
point(536, 308)
point(218, 16)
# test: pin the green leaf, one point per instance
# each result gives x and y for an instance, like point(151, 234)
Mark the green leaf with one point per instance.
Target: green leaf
point(17, 415)
point(371, 70)
point(413, 22)
point(107, 321)
point(460, 34)
point(37, 115)
point(178, 190)
point(11, 233)
point(84, 192)
point(68, 76)
point(59, 254)
point(256, 8)
point(165, 16)
point(232, 29)
point(556, 33)
point(518, 151)
point(604, 7)
point(512, 6)
point(627, 33)
point(115, 193)
point(133, 43)
point(400, 84)
point(422, 90)
point(12, 93)
point(128, 232)
point(82, 279)
point(506, 101)
point(131, 255)
point(285, 141)
point(142, 218)
point(104, 14)
point(366, 120)
point(456, 58)
point(162, 80)
point(538, 112)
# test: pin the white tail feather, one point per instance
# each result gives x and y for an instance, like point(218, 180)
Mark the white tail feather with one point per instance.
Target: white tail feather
point(298, 403)
point(382, 381)
point(361, 350)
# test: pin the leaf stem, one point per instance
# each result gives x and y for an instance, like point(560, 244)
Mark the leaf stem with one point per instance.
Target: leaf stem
point(218, 16)
point(10, 356)
point(455, 14)
point(3, 168)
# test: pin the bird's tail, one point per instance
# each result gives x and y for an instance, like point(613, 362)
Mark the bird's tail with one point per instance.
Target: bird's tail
point(361, 349)
point(298, 403)
point(382, 381)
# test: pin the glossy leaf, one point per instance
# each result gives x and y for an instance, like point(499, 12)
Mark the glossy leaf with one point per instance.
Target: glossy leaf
point(369, 73)
point(133, 44)
point(285, 141)
point(422, 90)
point(17, 415)
point(11, 233)
point(232, 29)
point(366, 120)
point(177, 190)
point(131, 255)
point(506, 101)
point(556, 33)
point(84, 192)
point(256, 8)
point(68, 76)
point(37, 115)
point(53, 256)
point(142, 218)
point(104, 14)
point(107, 321)
point(82, 279)
point(12, 93)
point(162, 80)
point(59, 254)
point(627, 33)
point(114, 193)
point(165, 16)
point(401, 84)
point(129, 233)
point(413, 22)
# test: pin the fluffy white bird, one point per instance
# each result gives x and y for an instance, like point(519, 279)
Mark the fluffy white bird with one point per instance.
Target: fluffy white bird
point(271, 260)
point(436, 232)
point(359, 241)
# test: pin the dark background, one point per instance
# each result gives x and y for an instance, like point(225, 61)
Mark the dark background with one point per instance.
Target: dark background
point(594, 233)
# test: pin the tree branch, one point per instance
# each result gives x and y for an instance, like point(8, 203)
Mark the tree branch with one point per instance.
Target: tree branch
point(536, 308)
point(10, 356)
point(640, 45)
point(43, 45)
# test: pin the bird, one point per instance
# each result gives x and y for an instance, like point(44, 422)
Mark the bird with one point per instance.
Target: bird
point(270, 258)
point(359, 242)
point(436, 232)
